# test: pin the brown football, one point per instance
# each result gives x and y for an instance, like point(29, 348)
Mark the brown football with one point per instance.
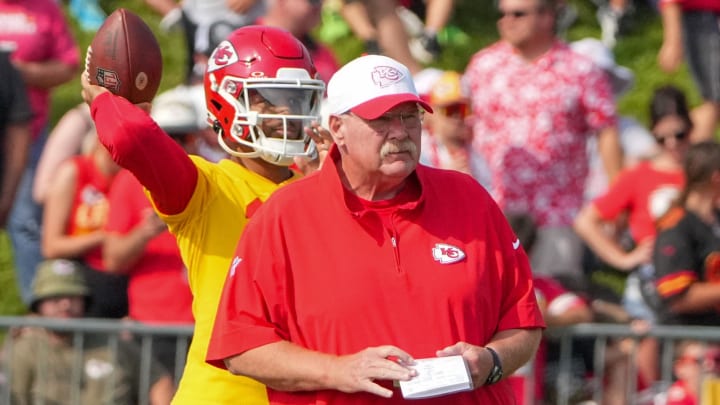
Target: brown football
point(124, 57)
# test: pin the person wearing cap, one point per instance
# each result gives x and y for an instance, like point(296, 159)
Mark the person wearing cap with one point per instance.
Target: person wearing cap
point(345, 277)
point(536, 103)
point(43, 361)
point(446, 141)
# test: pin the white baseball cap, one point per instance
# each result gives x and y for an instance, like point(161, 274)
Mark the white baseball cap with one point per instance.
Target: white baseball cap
point(371, 85)
point(621, 77)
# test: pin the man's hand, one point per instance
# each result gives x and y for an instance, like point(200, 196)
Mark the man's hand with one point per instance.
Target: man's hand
point(478, 359)
point(358, 372)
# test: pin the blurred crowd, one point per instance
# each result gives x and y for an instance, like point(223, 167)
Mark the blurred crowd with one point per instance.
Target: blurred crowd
point(619, 218)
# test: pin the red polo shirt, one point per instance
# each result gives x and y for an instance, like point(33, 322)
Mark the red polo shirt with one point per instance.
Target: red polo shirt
point(321, 268)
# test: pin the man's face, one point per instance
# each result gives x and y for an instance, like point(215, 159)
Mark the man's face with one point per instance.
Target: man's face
point(520, 21)
point(63, 307)
point(388, 145)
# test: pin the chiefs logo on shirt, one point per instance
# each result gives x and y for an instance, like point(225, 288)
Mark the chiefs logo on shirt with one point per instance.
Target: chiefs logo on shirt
point(446, 254)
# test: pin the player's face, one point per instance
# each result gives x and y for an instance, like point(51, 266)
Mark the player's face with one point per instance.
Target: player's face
point(65, 307)
point(282, 102)
point(388, 145)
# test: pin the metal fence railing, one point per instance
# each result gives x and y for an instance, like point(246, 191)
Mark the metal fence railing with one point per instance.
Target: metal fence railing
point(145, 335)
point(141, 335)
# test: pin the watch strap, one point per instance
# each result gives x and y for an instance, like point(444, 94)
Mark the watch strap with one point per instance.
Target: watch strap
point(496, 372)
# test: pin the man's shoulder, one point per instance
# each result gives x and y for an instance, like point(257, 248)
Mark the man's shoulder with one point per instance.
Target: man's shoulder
point(451, 181)
point(490, 56)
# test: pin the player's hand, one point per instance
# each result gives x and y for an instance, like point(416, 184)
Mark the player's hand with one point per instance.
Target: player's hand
point(323, 141)
point(640, 255)
point(358, 372)
point(90, 91)
point(478, 359)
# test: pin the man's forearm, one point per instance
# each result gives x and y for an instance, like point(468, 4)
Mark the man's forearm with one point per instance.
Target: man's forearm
point(610, 151)
point(284, 366)
point(515, 347)
point(17, 145)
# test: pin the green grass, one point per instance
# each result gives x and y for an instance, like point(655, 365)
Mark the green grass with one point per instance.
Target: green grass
point(637, 50)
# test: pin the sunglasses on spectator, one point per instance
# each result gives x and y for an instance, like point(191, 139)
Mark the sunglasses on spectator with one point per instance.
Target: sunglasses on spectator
point(515, 13)
point(709, 359)
point(456, 110)
point(679, 136)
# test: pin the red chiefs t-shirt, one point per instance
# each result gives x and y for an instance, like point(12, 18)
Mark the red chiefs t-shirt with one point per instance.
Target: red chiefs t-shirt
point(158, 289)
point(645, 193)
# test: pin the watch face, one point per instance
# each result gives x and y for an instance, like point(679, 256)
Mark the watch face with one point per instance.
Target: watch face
point(495, 375)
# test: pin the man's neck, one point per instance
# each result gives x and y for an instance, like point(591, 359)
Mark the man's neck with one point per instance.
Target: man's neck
point(533, 51)
point(371, 187)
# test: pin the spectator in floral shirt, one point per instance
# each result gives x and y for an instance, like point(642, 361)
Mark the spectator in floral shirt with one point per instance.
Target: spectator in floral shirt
point(536, 104)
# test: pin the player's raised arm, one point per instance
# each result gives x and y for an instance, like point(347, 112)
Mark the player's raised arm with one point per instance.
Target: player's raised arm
point(122, 60)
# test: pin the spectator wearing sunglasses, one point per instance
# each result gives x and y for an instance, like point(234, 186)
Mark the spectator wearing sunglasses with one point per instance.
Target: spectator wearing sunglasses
point(643, 192)
point(447, 136)
point(639, 196)
point(536, 103)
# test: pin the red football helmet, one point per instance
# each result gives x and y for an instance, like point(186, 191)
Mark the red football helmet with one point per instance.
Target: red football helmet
point(271, 70)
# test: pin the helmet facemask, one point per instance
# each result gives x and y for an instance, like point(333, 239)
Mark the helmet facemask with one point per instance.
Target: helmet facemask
point(290, 102)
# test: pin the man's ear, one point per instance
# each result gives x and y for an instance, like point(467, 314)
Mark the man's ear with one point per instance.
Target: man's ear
point(337, 129)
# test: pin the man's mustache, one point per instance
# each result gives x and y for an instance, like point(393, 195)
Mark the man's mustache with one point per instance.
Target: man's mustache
point(406, 145)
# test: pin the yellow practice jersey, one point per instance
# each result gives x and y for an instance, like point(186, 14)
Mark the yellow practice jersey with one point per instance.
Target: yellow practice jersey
point(207, 232)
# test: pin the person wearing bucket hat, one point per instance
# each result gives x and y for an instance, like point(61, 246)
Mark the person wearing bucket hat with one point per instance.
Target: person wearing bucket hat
point(56, 279)
point(392, 244)
point(43, 361)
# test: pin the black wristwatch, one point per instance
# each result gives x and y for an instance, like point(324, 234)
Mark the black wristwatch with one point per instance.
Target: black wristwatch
point(496, 373)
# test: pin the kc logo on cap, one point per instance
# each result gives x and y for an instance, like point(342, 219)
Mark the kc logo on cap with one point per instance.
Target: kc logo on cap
point(371, 85)
point(384, 76)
